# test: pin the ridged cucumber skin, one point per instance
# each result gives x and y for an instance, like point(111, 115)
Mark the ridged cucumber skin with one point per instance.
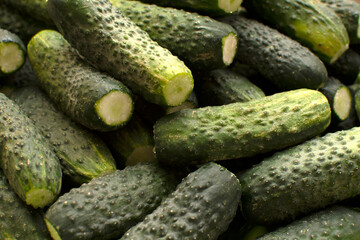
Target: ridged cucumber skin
point(349, 13)
point(26, 157)
point(195, 39)
point(116, 45)
point(70, 82)
point(201, 207)
point(83, 155)
point(109, 205)
point(312, 23)
point(17, 220)
point(241, 129)
point(223, 86)
point(336, 222)
point(280, 59)
point(305, 178)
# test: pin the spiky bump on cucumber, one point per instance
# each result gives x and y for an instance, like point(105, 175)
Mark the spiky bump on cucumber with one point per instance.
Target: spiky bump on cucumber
point(89, 97)
point(109, 205)
point(200, 41)
point(201, 207)
point(116, 45)
point(27, 159)
point(305, 178)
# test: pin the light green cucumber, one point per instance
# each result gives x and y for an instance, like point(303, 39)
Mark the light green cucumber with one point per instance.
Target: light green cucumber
point(241, 129)
point(87, 96)
point(116, 45)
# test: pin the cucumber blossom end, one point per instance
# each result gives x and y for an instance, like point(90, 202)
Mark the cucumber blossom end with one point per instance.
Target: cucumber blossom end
point(229, 6)
point(39, 198)
point(178, 89)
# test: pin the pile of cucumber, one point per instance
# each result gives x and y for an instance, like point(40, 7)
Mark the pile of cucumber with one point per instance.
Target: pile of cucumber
point(179, 120)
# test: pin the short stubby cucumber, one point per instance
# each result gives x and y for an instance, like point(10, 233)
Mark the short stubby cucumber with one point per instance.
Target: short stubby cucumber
point(26, 157)
point(200, 41)
point(17, 220)
point(304, 178)
point(336, 222)
point(88, 96)
point(201, 207)
point(116, 45)
point(107, 206)
point(310, 22)
point(281, 60)
point(241, 129)
point(83, 155)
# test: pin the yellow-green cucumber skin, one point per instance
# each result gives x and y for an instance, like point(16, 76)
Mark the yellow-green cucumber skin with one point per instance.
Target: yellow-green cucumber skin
point(310, 22)
point(83, 155)
point(116, 45)
point(26, 157)
point(71, 83)
point(241, 129)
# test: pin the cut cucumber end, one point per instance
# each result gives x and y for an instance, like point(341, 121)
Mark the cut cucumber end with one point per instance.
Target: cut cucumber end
point(178, 89)
point(229, 48)
point(342, 103)
point(339, 53)
point(358, 28)
point(141, 154)
point(115, 108)
point(53, 233)
point(39, 198)
point(229, 6)
point(12, 57)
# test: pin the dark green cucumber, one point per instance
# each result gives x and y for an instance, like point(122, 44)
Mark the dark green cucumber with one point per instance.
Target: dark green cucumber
point(223, 86)
point(89, 97)
point(336, 222)
point(12, 52)
point(310, 22)
point(200, 41)
point(349, 13)
point(241, 129)
point(205, 7)
point(116, 45)
point(304, 178)
point(82, 154)
point(17, 220)
point(27, 159)
point(201, 207)
point(132, 143)
point(280, 59)
point(109, 205)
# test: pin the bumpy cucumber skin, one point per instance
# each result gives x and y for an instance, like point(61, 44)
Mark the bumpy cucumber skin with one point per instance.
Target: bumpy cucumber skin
point(241, 129)
point(302, 179)
point(195, 39)
point(17, 220)
point(72, 84)
point(82, 154)
point(310, 22)
point(109, 205)
point(114, 44)
point(201, 207)
point(27, 159)
point(336, 222)
point(280, 59)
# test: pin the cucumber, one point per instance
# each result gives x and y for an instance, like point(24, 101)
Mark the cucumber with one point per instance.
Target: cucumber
point(349, 13)
point(223, 86)
point(82, 154)
point(200, 41)
point(23, 77)
point(212, 8)
point(190, 103)
point(336, 222)
point(280, 59)
point(17, 220)
point(310, 22)
point(241, 129)
point(302, 179)
point(89, 97)
point(109, 205)
point(27, 159)
point(116, 45)
point(201, 207)
point(12, 52)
